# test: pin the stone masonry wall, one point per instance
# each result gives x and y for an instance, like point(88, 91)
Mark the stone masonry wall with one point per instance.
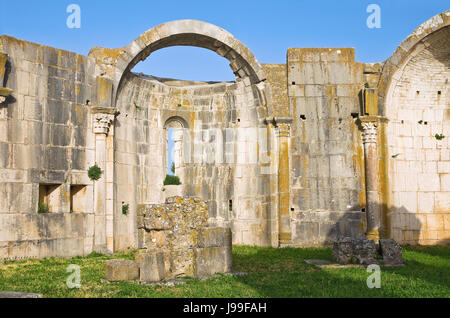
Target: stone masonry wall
point(236, 192)
point(277, 77)
point(326, 152)
point(419, 163)
point(178, 229)
point(45, 140)
point(312, 190)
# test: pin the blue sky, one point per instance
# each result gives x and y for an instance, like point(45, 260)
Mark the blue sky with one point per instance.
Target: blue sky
point(268, 28)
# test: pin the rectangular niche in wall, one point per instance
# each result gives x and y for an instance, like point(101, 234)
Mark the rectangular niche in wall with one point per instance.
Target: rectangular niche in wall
point(49, 196)
point(78, 198)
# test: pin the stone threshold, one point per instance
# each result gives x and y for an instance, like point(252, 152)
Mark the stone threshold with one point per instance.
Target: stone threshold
point(12, 294)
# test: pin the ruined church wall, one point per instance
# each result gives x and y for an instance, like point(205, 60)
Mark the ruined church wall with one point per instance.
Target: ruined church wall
point(418, 109)
point(141, 154)
point(326, 156)
point(45, 140)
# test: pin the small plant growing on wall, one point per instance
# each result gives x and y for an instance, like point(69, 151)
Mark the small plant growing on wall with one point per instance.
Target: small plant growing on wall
point(94, 172)
point(439, 136)
point(125, 208)
point(42, 207)
point(172, 180)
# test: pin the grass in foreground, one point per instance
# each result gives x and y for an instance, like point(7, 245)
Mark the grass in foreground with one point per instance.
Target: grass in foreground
point(271, 273)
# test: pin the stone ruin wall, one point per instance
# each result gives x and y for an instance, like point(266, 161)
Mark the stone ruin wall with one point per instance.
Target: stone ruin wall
point(147, 108)
point(179, 232)
point(418, 108)
point(45, 139)
point(327, 194)
point(49, 137)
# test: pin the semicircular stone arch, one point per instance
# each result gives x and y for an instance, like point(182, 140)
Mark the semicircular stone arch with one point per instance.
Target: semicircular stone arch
point(408, 48)
point(233, 185)
point(199, 34)
point(175, 122)
point(116, 63)
point(417, 105)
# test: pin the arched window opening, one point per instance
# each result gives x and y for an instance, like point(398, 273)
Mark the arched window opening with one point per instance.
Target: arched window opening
point(174, 162)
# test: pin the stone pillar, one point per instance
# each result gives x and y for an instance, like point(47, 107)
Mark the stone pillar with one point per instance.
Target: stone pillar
point(284, 213)
point(178, 159)
point(272, 145)
point(268, 157)
point(103, 119)
point(370, 126)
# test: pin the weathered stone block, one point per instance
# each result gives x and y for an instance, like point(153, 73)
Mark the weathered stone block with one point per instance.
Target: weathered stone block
point(214, 237)
point(121, 270)
point(55, 158)
point(180, 263)
point(343, 250)
point(151, 266)
point(211, 260)
point(57, 112)
point(365, 251)
point(348, 250)
point(78, 159)
point(391, 251)
point(158, 224)
point(4, 155)
point(104, 90)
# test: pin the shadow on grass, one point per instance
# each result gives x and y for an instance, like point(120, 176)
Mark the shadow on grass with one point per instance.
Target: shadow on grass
point(439, 250)
point(283, 273)
point(271, 273)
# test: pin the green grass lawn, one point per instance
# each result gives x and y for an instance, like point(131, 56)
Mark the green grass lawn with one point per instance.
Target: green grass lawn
point(271, 273)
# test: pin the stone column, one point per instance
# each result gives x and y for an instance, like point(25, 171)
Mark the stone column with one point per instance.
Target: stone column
point(103, 188)
point(268, 156)
point(284, 214)
point(370, 126)
point(178, 159)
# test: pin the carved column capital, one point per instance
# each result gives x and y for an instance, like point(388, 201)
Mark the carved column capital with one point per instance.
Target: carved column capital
point(369, 125)
point(102, 122)
point(369, 132)
point(103, 117)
